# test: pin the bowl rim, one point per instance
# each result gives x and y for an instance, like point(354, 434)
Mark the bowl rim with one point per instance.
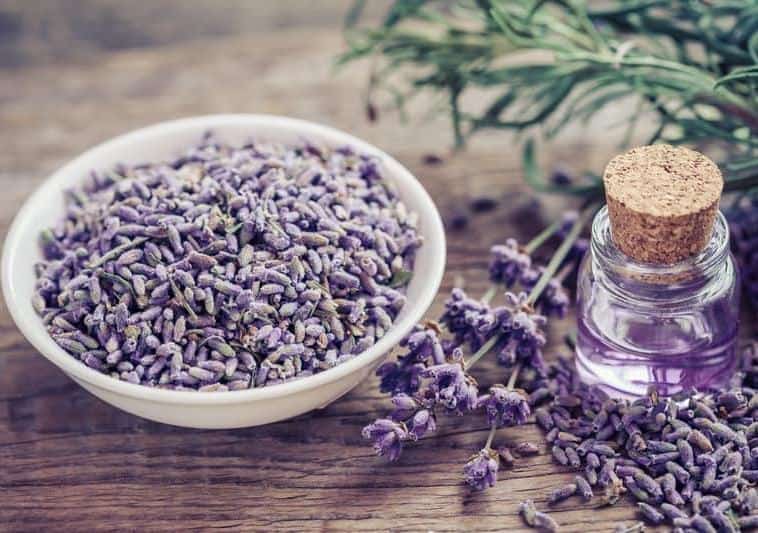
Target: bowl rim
point(35, 333)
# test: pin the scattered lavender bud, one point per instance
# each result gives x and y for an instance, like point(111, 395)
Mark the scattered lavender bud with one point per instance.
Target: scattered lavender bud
point(635, 490)
point(506, 457)
point(650, 513)
point(560, 455)
point(545, 522)
point(526, 448)
point(482, 204)
point(573, 458)
point(561, 493)
point(697, 438)
point(681, 475)
point(702, 525)
point(584, 488)
point(528, 512)
point(672, 511)
point(685, 453)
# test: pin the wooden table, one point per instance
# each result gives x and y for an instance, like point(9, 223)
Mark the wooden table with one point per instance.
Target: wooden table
point(70, 462)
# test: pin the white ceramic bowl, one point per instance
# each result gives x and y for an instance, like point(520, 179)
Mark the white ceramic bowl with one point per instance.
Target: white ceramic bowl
point(213, 409)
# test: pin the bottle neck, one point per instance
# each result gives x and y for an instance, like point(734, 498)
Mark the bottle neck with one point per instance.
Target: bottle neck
point(638, 280)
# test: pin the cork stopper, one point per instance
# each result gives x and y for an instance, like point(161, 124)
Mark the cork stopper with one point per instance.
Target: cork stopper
point(662, 202)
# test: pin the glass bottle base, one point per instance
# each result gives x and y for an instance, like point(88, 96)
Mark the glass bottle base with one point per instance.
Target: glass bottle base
point(630, 375)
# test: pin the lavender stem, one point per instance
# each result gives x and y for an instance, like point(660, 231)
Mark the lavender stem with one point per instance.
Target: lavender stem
point(490, 294)
point(514, 376)
point(542, 236)
point(481, 352)
point(490, 436)
point(560, 254)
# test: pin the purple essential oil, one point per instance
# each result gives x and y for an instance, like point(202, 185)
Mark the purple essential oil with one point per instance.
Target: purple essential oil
point(669, 324)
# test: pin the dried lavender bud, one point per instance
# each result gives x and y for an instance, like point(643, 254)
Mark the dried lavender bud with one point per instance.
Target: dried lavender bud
point(607, 476)
point(721, 522)
point(573, 457)
point(725, 432)
point(722, 452)
point(481, 204)
point(668, 483)
point(583, 487)
point(720, 485)
point(661, 458)
point(561, 493)
point(603, 449)
point(682, 522)
point(697, 438)
point(681, 475)
point(591, 474)
point(526, 448)
point(592, 460)
point(702, 525)
point(506, 457)
point(658, 446)
point(627, 470)
point(650, 513)
point(528, 512)
point(731, 462)
point(685, 453)
point(560, 455)
point(635, 490)
point(545, 522)
point(539, 395)
point(672, 511)
point(568, 437)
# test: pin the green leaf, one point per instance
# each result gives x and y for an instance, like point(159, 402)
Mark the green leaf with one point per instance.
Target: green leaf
point(354, 13)
point(737, 74)
point(400, 278)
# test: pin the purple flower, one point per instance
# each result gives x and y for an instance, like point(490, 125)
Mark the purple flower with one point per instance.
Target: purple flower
point(451, 387)
point(481, 469)
point(401, 376)
point(387, 437)
point(554, 300)
point(508, 263)
point(420, 419)
point(505, 407)
point(423, 422)
point(404, 375)
point(405, 406)
point(525, 337)
point(424, 344)
point(470, 321)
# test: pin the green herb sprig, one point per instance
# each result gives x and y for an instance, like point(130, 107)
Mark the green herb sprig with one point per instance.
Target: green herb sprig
point(691, 66)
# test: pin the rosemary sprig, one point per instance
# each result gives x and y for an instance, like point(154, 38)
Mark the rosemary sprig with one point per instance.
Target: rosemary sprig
point(691, 64)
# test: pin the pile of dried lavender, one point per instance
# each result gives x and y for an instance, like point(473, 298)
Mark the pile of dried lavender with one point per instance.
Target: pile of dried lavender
point(228, 268)
point(690, 461)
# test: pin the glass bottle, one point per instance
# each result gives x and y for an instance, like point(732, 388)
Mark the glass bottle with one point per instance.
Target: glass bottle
point(672, 326)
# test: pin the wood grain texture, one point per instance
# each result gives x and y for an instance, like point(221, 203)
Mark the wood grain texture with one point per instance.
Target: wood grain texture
point(70, 462)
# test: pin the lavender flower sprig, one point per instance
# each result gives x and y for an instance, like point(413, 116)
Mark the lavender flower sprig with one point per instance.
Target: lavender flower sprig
point(433, 377)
